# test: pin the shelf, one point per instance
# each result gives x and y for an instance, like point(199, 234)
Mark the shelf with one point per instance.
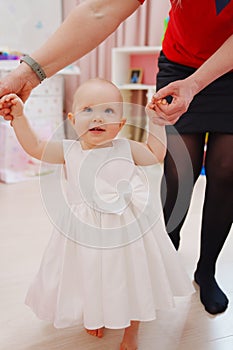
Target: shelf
point(136, 87)
point(124, 59)
point(137, 49)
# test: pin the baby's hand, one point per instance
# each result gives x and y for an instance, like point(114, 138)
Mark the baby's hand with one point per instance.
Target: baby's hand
point(11, 105)
point(153, 115)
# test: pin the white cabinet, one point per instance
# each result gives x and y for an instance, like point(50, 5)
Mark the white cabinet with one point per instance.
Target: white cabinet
point(44, 109)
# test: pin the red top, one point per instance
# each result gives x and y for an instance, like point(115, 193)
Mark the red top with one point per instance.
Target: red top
point(196, 29)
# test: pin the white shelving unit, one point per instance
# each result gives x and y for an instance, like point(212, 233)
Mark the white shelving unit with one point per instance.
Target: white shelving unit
point(135, 95)
point(121, 65)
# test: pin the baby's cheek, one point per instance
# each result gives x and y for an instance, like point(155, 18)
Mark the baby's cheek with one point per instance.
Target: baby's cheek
point(81, 129)
point(113, 130)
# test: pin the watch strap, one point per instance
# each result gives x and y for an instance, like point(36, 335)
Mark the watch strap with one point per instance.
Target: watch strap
point(34, 66)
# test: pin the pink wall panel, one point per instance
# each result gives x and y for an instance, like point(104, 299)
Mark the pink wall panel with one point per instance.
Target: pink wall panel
point(148, 63)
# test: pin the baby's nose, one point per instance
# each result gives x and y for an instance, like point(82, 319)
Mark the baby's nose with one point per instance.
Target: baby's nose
point(98, 118)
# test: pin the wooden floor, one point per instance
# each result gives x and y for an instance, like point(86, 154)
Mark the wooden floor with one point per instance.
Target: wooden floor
point(24, 232)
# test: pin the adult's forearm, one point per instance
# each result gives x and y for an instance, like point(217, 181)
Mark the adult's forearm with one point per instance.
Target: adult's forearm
point(84, 29)
point(218, 64)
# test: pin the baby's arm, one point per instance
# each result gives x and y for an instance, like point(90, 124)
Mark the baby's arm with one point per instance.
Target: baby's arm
point(51, 152)
point(154, 149)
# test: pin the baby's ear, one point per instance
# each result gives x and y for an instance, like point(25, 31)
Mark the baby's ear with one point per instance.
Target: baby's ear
point(71, 118)
point(122, 123)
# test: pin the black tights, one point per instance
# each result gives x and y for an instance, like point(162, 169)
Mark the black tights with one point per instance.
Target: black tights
point(218, 203)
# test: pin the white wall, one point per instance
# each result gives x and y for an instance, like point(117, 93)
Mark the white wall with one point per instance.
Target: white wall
point(26, 24)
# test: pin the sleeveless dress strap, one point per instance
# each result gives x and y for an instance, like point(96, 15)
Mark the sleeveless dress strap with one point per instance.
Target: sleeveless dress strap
point(124, 145)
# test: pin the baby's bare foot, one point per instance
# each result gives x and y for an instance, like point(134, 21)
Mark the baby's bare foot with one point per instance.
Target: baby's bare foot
point(96, 332)
point(128, 346)
point(130, 339)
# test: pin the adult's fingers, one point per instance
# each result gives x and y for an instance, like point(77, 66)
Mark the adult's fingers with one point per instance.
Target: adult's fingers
point(171, 115)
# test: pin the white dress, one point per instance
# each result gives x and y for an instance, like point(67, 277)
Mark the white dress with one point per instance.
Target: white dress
point(109, 259)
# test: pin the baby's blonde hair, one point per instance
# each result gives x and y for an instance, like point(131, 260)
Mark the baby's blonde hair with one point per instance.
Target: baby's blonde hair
point(92, 80)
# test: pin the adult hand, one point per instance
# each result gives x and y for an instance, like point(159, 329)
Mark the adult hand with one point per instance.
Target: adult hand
point(20, 81)
point(154, 116)
point(181, 92)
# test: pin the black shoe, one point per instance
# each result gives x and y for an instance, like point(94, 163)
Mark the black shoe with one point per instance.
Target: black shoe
point(212, 297)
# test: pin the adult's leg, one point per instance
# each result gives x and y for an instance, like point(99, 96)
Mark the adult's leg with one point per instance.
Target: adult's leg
point(216, 219)
point(182, 167)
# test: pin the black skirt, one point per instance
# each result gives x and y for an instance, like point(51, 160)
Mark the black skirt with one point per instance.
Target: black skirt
point(211, 110)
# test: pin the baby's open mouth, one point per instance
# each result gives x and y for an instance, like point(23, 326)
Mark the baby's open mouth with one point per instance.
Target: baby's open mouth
point(97, 128)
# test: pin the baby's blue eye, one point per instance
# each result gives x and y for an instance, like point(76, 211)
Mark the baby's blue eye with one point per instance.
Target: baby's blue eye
point(88, 109)
point(109, 111)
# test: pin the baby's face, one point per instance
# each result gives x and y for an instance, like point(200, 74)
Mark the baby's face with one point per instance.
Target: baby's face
point(98, 124)
point(97, 121)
